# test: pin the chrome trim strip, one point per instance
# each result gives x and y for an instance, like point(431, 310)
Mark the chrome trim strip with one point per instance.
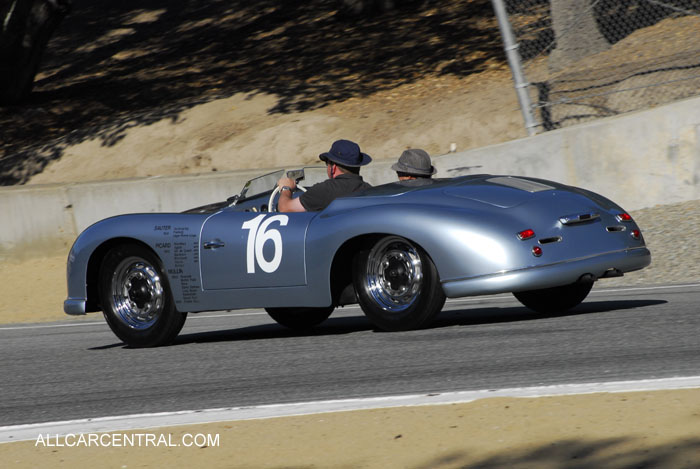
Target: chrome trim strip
point(578, 218)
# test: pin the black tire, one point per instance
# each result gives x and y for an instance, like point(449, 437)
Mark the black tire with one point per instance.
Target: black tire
point(300, 319)
point(397, 285)
point(556, 299)
point(136, 298)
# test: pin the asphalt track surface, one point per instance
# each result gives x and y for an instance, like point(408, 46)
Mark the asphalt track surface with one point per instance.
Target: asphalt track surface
point(64, 371)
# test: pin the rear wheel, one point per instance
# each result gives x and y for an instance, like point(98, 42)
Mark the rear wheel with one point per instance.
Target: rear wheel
point(556, 299)
point(299, 319)
point(136, 298)
point(397, 285)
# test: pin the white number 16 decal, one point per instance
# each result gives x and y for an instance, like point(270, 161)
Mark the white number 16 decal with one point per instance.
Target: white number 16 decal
point(258, 236)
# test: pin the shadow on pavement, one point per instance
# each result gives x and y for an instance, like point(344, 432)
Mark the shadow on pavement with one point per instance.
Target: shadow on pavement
point(354, 324)
point(476, 315)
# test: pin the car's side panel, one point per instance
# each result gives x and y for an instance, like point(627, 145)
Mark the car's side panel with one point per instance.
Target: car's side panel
point(438, 230)
point(247, 249)
point(175, 238)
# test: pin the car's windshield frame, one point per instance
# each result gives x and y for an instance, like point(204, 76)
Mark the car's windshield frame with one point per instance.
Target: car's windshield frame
point(260, 185)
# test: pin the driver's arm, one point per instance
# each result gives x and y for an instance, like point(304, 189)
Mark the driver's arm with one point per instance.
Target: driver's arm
point(286, 203)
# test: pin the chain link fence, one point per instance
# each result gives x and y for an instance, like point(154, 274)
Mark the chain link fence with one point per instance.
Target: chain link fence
point(586, 59)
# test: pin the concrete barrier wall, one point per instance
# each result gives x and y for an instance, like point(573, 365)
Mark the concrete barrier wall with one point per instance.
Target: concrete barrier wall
point(638, 160)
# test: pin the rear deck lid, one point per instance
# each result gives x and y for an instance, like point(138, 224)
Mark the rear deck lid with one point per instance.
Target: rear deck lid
point(499, 191)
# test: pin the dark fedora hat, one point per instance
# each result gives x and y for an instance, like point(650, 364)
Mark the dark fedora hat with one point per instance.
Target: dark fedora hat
point(346, 153)
point(414, 162)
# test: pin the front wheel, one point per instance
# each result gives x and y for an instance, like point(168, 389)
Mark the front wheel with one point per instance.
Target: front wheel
point(397, 285)
point(300, 319)
point(136, 299)
point(556, 299)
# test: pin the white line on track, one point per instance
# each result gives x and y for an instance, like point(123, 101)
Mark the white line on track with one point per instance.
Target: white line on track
point(662, 287)
point(50, 326)
point(102, 323)
point(191, 417)
point(475, 299)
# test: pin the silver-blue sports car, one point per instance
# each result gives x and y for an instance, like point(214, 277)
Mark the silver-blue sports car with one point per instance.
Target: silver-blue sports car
point(398, 250)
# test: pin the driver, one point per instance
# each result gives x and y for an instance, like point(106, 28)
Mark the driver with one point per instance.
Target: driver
point(343, 163)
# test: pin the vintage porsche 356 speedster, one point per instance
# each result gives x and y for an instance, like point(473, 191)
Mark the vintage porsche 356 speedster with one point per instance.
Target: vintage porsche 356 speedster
point(397, 249)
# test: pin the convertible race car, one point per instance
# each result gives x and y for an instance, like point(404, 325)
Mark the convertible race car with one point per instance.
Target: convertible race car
point(398, 250)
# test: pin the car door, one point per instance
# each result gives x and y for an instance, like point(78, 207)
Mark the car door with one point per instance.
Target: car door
point(252, 249)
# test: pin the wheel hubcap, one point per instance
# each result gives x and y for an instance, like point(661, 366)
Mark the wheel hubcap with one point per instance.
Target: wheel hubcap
point(394, 274)
point(137, 293)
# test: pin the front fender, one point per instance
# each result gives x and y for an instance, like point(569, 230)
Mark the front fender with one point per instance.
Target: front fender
point(167, 235)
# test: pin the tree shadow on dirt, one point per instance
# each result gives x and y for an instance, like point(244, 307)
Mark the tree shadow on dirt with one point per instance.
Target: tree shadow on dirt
point(116, 65)
point(610, 453)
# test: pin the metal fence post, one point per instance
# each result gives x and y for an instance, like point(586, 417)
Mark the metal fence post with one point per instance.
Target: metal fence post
point(516, 68)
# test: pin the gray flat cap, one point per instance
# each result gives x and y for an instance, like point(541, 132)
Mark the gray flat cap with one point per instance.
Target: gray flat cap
point(414, 162)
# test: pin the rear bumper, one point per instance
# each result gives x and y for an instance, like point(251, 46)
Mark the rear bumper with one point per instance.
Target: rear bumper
point(550, 275)
point(74, 306)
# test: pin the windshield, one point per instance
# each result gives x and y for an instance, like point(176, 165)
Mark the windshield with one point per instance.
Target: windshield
point(306, 177)
point(261, 184)
point(313, 175)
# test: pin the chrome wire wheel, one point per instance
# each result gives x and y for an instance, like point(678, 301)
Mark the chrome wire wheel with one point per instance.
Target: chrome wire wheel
point(394, 274)
point(137, 295)
point(397, 284)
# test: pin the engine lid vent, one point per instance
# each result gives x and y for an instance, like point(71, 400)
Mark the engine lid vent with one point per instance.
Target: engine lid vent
point(522, 184)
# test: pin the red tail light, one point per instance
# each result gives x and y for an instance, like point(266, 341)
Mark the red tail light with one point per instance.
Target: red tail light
point(623, 217)
point(536, 251)
point(636, 234)
point(526, 234)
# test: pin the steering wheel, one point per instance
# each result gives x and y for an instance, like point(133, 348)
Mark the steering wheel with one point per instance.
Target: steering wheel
point(274, 193)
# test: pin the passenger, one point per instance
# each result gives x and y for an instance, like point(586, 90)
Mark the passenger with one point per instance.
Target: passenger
point(343, 162)
point(414, 164)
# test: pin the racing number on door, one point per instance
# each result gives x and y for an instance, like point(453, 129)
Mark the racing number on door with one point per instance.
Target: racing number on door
point(258, 235)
